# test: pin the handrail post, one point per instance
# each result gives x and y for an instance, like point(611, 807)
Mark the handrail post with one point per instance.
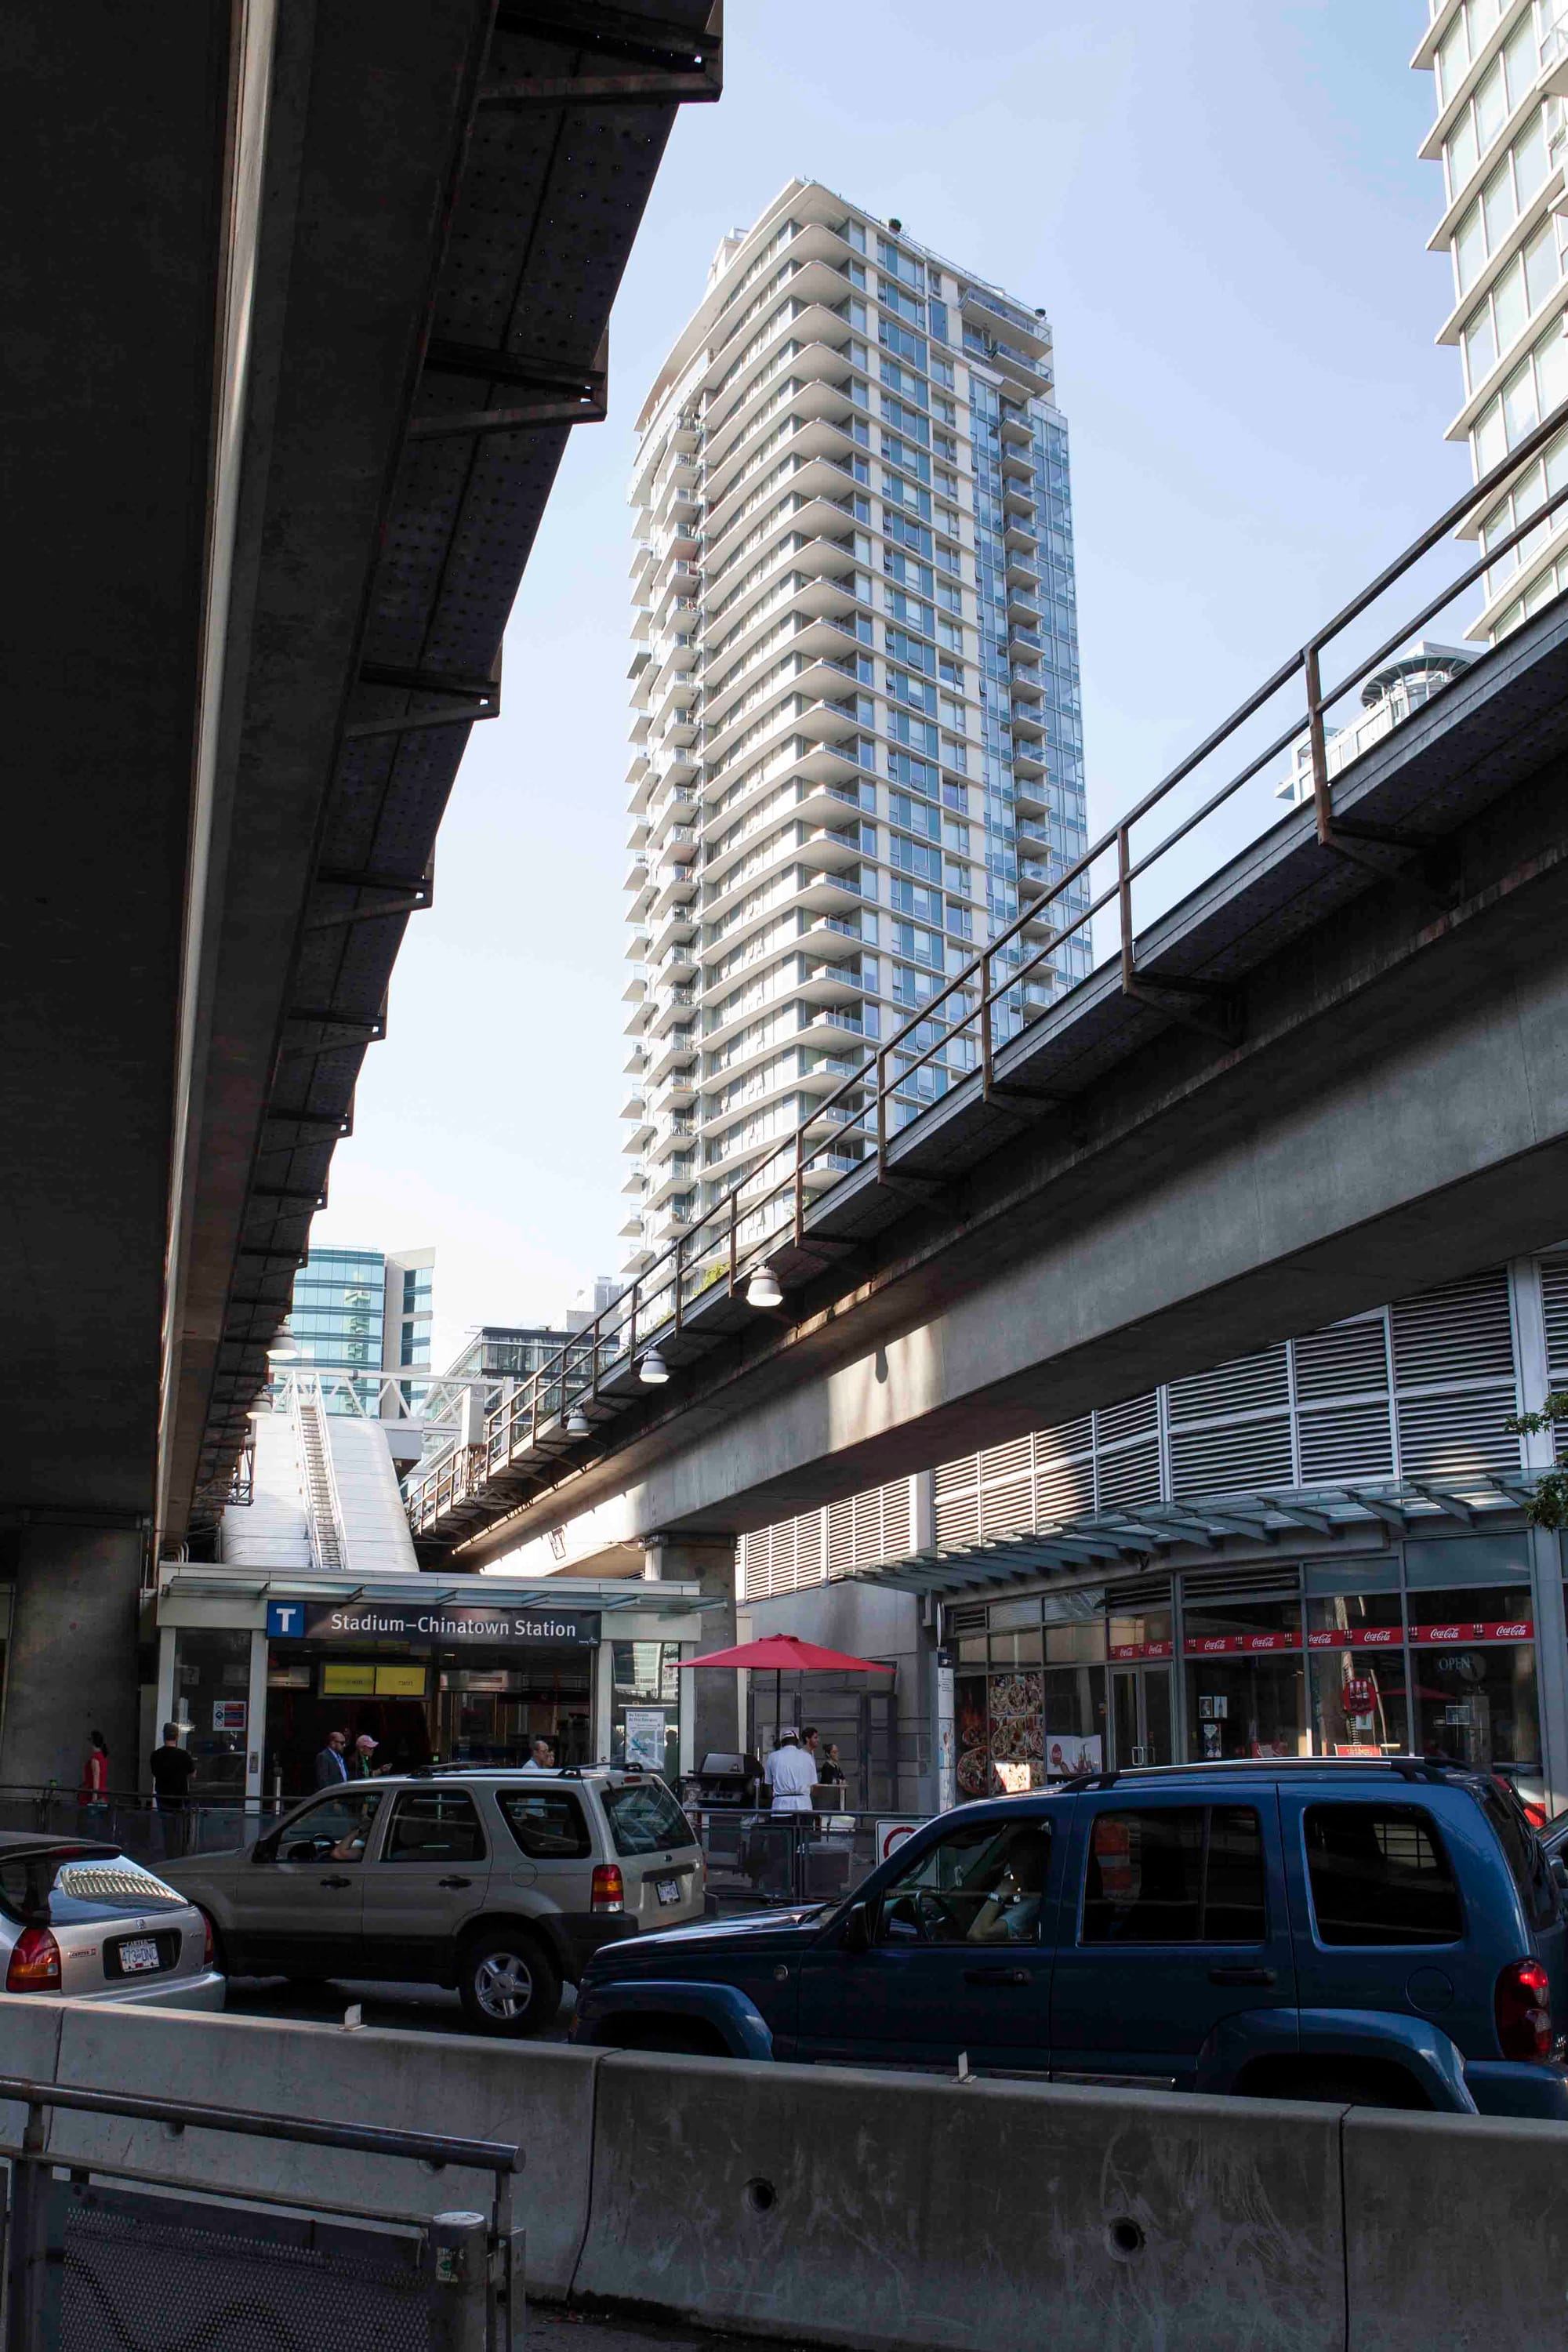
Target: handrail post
point(1323, 806)
point(680, 1248)
point(799, 1186)
point(880, 1067)
point(26, 2248)
point(1124, 904)
point(985, 1040)
point(734, 1217)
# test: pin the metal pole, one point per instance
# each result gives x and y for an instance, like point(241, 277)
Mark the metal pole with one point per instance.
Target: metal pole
point(458, 2246)
point(1321, 804)
point(27, 2246)
point(1124, 904)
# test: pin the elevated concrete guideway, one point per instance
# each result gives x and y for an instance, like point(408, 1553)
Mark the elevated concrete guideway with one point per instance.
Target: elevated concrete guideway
point(1395, 1113)
point(306, 299)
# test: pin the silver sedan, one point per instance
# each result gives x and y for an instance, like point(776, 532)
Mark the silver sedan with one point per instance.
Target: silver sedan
point(79, 1919)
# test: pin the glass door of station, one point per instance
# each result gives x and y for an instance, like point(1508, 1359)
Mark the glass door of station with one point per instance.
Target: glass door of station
point(1140, 1715)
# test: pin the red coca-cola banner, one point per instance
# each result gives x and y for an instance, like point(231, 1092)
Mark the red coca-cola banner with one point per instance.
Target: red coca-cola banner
point(1124, 1650)
point(1232, 1645)
point(1356, 1637)
point(1506, 1629)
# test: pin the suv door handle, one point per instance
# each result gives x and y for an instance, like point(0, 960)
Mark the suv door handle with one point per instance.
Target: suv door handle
point(454, 1882)
point(1242, 1976)
point(996, 1976)
point(337, 1882)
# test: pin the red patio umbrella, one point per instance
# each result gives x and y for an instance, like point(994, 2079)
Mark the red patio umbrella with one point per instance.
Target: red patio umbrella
point(780, 1650)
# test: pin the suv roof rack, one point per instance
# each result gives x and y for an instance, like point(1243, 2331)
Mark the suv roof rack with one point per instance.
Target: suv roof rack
point(1408, 1767)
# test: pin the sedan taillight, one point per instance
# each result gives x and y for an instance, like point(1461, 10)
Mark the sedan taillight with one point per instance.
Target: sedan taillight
point(1522, 2005)
point(608, 1892)
point(34, 1962)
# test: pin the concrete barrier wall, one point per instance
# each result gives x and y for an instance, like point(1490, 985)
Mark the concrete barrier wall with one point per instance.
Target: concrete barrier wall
point(1456, 2232)
point(882, 2208)
point(874, 2209)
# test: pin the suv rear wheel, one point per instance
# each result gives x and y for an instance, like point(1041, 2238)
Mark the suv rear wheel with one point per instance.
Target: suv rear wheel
point(507, 1983)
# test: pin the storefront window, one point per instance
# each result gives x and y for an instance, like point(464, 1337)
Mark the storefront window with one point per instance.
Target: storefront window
point(1472, 1650)
point(1246, 1681)
point(1355, 1661)
point(212, 1694)
point(645, 1725)
point(1037, 1713)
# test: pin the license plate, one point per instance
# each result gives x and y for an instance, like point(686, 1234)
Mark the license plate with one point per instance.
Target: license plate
point(667, 1889)
point(137, 1954)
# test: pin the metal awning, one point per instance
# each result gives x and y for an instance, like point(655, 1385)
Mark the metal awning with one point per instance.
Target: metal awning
point(1155, 1529)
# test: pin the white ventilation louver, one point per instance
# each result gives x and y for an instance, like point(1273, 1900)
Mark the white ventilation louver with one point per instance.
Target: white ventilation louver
point(1347, 1360)
point(1226, 1460)
point(1246, 1385)
point(1462, 1332)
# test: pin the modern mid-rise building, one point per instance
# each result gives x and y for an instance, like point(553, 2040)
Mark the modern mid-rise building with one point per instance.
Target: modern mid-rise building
point(364, 1315)
point(857, 746)
point(1500, 70)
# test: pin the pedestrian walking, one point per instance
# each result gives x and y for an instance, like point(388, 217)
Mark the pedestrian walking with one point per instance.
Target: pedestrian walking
point(330, 1767)
point(173, 1768)
point(359, 1766)
point(92, 1797)
point(542, 1757)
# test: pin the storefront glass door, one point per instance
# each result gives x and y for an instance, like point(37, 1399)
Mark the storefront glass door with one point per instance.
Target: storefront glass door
point(1140, 1713)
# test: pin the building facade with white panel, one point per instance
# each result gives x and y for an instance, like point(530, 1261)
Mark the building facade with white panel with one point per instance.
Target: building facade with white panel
point(1323, 1548)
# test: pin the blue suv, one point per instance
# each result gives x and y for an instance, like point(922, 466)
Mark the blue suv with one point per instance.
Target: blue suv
point(1385, 1932)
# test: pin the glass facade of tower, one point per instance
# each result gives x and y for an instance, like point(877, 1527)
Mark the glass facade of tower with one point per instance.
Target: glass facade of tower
point(1501, 135)
point(363, 1314)
point(856, 746)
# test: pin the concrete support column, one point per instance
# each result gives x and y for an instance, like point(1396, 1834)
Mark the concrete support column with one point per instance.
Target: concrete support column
point(71, 1666)
point(1538, 1452)
point(710, 1563)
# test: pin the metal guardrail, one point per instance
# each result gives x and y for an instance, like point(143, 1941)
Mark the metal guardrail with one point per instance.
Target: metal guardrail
point(220, 2264)
point(982, 1005)
point(135, 1823)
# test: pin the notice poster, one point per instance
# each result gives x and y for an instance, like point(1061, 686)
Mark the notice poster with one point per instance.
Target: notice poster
point(228, 1714)
point(1073, 1753)
point(644, 1738)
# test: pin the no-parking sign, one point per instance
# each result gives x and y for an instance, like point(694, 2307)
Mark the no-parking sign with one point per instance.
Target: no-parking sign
point(891, 1834)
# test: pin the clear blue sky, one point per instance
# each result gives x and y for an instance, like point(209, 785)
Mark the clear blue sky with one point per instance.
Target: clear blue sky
point(1219, 205)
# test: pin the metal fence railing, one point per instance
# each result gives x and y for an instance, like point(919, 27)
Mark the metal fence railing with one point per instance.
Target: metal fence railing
point(757, 1859)
point(136, 1824)
point(150, 2261)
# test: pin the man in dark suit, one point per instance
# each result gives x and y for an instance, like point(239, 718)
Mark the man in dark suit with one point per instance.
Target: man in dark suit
point(330, 1765)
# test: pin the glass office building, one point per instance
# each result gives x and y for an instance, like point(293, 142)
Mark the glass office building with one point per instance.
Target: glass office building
point(857, 748)
point(363, 1314)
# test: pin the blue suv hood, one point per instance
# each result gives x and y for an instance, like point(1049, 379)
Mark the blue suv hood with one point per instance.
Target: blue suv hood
point(713, 1938)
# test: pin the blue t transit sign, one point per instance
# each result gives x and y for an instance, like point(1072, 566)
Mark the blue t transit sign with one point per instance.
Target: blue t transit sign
point(284, 1617)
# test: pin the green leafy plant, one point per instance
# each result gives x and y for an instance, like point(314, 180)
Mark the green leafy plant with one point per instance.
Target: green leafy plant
point(1548, 1505)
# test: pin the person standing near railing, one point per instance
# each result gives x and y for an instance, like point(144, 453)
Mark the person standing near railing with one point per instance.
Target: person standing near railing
point(92, 1797)
point(173, 1768)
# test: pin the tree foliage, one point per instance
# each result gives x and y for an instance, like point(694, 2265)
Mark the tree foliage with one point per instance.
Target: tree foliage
point(1548, 1504)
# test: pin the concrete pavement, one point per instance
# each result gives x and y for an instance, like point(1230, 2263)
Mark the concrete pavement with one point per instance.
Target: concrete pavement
point(572, 2331)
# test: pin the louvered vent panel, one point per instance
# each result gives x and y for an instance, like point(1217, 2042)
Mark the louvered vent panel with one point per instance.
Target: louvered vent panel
point(1560, 1440)
point(1134, 1593)
point(897, 1532)
point(1347, 1358)
point(1244, 1385)
point(956, 1477)
point(841, 1536)
point(1064, 1492)
point(808, 1548)
point(1012, 1461)
point(1007, 1510)
point(1451, 1436)
point(1222, 1461)
point(781, 1578)
point(1462, 1332)
point(1129, 1478)
point(1346, 1440)
point(1063, 1443)
point(965, 1617)
point(957, 1521)
point(868, 1529)
point(754, 1554)
point(1129, 1419)
point(1554, 1295)
point(1220, 1585)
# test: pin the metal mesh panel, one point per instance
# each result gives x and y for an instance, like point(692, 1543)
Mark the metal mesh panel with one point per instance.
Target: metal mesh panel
point(142, 2274)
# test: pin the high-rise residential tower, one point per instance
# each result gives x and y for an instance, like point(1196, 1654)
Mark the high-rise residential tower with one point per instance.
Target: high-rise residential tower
point(1500, 68)
point(857, 746)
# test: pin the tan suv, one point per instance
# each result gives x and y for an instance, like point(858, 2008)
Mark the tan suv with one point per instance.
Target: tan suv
point(501, 1883)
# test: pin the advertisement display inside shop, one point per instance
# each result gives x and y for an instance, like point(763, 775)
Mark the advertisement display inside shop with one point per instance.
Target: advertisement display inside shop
point(428, 1684)
point(1029, 1696)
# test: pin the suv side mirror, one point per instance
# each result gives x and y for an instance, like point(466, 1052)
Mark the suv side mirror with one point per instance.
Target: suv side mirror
point(1560, 1874)
point(856, 1928)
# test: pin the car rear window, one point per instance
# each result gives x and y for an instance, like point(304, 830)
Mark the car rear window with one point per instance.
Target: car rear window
point(1175, 1874)
point(34, 1886)
point(547, 1824)
point(1380, 1875)
point(643, 1818)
